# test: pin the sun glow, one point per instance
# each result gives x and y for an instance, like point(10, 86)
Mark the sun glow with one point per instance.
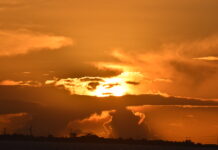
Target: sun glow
point(123, 84)
point(111, 87)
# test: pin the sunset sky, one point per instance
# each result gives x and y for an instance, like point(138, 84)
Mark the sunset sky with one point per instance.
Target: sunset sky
point(114, 68)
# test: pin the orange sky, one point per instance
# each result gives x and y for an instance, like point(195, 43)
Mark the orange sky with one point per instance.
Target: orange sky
point(75, 53)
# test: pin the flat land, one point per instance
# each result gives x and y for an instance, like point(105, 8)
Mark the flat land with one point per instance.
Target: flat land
point(20, 145)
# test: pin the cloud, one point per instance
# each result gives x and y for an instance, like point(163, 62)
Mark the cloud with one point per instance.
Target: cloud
point(97, 124)
point(12, 1)
point(54, 111)
point(10, 82)
point(9, 4)
point(133, 83)
point(206, 46)
point(126, 124)
point(100, 86)
point(14, 123)
point(197, 122)
point(208, 58)
point(20, 83)
point(173, 69)
point(23, 41)
point(119, 123)
point(5, 5)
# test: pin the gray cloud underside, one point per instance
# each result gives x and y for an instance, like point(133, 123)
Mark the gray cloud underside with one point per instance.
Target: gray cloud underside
point(51, 108)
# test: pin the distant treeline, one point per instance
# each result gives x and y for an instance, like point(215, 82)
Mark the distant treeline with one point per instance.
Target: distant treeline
point(90, 138)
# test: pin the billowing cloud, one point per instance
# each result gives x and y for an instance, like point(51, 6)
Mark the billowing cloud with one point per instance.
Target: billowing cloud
point(97, 124)
point(125, 120)
point(112, 124)
point(23, 41)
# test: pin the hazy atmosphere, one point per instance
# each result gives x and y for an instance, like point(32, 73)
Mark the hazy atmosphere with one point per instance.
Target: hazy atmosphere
point(114, 68)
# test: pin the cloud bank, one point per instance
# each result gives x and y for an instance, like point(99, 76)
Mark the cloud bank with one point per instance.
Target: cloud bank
point(54, 111)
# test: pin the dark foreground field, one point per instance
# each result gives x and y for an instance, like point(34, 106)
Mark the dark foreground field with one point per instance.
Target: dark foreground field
point(28, 145)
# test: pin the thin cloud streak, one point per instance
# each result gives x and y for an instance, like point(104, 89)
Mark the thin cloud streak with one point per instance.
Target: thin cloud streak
point(20, 83)
point(208, 58)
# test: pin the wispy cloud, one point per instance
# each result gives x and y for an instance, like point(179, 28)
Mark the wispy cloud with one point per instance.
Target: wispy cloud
point(23, 41)
point(208, 58)
point(20, 83)
point(172, 69)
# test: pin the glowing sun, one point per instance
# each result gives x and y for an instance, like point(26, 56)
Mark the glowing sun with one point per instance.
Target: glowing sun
point(111, 87)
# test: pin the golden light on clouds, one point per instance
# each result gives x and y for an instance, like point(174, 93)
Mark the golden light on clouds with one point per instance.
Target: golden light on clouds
point(56, 54)
point(98, 124)
point(111, 87)
point(14, 42)
point(99, 86)
point(209, 58)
